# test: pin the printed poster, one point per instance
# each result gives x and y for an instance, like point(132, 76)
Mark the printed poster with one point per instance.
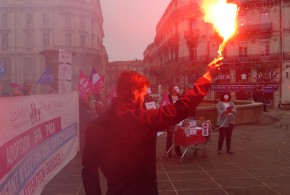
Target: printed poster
point(64, 71)
point(39, 136)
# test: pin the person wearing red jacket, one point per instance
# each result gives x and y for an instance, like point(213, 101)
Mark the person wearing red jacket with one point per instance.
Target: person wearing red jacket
point(121, 142)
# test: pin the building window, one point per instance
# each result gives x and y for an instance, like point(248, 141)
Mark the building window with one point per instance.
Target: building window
point(243, 50)
point(264, 48)
point(192, 52)
point(82, 40)
point(45, 19)
point(29, 66)
point(45, 40)
point(4, 20)
point(99, 43)
point(29, 40)
point(82, 23)
point(29, 19)
point(193, 24)
point(243, 20)
point(93, 40)
point(5, 64)
point(67, 22)
point(93, 25)
point(68, 39)
point(4, 41)
point(264, 17)
point(172, 54)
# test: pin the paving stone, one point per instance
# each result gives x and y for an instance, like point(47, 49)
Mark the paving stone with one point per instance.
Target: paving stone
point(270, 172)
point(250, 191)
point(165, 185)
point(182, 168)
point(218, 174)
point(53, 189)
point(167, 192)
point(239, 182)
point(194, 184)
point(202, 192)
point(276, 181)
point(188, 175)
point(162, 176)
point(218, 166)
point(66, 179)
point(282, 189)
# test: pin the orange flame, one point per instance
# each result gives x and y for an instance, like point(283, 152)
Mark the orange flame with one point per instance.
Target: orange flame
point(223, 16)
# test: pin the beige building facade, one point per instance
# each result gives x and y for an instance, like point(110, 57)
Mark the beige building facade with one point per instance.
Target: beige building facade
point(114, 69)
point(257, 56)
point(31, 27)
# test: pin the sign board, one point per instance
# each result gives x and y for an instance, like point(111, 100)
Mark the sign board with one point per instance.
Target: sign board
point(150, 105)
point(248, 87)
point(64, 71)
point(39, 136)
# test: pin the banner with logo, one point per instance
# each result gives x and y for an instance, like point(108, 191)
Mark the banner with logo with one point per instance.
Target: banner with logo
point(39, 136)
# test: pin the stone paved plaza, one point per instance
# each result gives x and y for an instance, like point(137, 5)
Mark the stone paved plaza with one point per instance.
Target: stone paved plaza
point(260, 165)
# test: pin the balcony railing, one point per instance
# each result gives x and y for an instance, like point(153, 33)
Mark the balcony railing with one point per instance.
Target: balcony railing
point(255, 29)
point(252, 58)
point(257, 3)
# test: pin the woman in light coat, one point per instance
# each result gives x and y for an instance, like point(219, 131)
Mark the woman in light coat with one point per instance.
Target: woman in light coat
point(227, 113)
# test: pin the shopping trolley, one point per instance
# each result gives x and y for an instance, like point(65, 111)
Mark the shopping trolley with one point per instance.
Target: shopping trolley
point(191, 134)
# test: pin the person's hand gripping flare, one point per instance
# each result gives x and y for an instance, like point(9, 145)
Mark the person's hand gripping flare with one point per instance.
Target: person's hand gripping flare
point(213, 68)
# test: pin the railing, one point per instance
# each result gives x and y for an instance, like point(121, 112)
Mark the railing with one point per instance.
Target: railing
point(252, 58)
point(233, 59)
point(255, 28)
point(252, 4)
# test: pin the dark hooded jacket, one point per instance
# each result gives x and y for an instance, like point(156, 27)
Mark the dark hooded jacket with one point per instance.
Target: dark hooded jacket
point(121, 142)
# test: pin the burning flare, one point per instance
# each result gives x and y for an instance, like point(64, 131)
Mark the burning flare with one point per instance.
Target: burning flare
point(223, 17)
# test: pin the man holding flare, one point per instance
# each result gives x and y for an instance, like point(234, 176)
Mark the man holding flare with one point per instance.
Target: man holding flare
point(121, 142)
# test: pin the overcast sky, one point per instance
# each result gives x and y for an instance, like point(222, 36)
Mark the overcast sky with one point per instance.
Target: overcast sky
point(130, 26)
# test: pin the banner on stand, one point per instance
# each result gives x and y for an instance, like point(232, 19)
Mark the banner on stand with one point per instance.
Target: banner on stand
point(39, 136)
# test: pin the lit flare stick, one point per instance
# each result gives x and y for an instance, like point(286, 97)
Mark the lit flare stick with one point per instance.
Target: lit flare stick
point(222, 16)
point(221, 47)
